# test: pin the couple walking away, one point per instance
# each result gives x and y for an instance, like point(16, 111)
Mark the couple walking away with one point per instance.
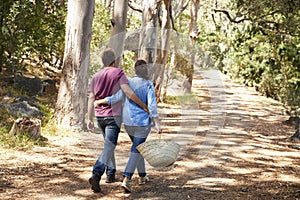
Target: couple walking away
point(114, 99)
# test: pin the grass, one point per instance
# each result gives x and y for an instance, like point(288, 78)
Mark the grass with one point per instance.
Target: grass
point(173, 100)
point(182, 99)
point(22, 141)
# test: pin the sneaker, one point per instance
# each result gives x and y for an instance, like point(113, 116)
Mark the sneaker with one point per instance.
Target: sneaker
point(143, 180)
point(110, 178)
point(126, 184)
point(94, 181)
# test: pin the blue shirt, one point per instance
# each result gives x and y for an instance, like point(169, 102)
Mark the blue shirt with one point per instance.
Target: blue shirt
point(134, 115)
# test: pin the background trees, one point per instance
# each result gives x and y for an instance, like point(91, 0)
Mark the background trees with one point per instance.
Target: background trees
point(31, 32)
point(263, 47)
point(118, 28)
point(255, 42)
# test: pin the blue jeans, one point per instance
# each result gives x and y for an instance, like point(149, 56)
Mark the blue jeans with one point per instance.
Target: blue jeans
point(110, 127)
point(138, 135)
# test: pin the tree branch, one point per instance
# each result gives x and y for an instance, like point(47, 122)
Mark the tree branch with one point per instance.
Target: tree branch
point(234, 20)
point(172, 19)
point(272, 13)
point(185, 5)
point(135, 6)
point(260, 21)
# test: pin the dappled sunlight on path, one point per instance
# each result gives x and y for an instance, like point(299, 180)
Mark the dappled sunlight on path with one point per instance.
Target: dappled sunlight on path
point(233, 146)
point(242, 158)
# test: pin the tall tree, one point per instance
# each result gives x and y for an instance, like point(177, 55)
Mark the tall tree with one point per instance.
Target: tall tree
point(193, 34)
point(118, 29)
point(71, 106)
point(179, 6)
point(148, 35)
point(163, 51)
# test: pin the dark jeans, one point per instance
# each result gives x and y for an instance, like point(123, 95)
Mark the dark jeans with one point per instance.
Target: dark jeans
point(110, 127)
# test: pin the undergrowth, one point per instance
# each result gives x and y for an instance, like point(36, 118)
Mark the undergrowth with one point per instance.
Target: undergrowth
point(19, 141)
point(23, 141)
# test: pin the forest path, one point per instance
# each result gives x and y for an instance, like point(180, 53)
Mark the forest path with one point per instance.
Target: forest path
point(234, 145)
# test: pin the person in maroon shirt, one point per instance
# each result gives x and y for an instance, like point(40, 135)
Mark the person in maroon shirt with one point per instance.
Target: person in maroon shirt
point(105, 83)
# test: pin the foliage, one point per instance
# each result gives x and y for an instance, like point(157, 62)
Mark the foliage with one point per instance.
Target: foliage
point(128, 63)
point(24, 141)
point(261, 50)
point(182, 65)
point(173, 100)
point(20, 141)
point(6, 119)
point(264, 48)
point(100, 36)
point(31, 30)
point(47, 108)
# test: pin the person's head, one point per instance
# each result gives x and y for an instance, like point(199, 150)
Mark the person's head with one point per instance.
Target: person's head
point(108, 57)
point(141, 68)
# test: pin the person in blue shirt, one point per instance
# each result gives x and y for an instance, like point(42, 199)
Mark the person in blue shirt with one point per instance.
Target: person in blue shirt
point(136, 121)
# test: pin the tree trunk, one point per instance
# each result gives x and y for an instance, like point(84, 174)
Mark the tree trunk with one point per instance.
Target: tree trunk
point(179, 7)
point(164, 50)
point(168, 74)
point(71, 106)
point(118, 29)
point(148, 36)
point(194, 33)
point(194, 7)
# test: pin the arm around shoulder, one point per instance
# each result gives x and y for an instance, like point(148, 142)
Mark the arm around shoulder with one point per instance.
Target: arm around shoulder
point(132, 96)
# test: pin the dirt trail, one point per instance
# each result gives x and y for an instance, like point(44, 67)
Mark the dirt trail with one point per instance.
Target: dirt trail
point(233, 146)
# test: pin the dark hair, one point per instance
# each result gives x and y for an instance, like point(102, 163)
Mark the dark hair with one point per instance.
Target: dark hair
point(108, 57)
point(141, 68)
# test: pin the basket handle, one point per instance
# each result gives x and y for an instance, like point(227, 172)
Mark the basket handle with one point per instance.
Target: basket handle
point(159, 136)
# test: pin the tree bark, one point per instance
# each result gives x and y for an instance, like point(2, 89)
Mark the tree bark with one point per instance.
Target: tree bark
point(118, 29)
point(180, 7)
point(193, 33)
point(148, 36)
point(164, 48)
point(71, 106)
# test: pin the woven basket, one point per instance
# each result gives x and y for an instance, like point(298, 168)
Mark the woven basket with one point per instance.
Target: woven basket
point(159, 153)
